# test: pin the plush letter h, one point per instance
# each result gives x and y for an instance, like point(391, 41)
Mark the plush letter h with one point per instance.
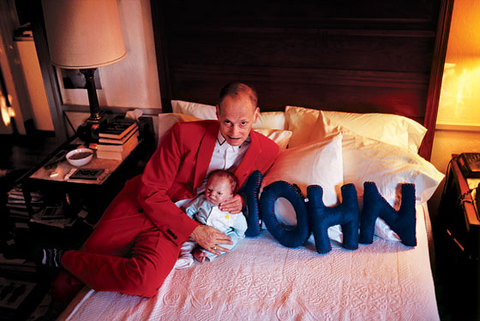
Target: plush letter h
point(321, 217)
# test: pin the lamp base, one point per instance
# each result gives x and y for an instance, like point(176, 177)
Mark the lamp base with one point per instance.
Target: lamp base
point(90, 129)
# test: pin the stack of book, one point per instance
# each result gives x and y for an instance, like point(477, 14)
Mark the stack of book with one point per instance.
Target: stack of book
point(54, 215)
point(118, 139)
point(17, 206)
point(12, 294)
point(14, 265)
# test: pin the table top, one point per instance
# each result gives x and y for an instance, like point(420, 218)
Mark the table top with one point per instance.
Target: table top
point(61, 171)
point(465, 186)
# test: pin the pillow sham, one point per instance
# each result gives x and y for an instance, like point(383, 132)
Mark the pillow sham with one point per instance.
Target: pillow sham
point(388, 166)
point(366, 159)
point(388, 128)
point(300, 121)
point(317, 163)
point(167, 120)
point(201, 111)
point(273, 119)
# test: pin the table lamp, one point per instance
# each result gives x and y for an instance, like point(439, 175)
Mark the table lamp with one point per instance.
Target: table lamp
point(84, 35)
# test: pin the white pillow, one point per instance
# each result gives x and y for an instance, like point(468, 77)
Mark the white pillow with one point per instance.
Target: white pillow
point(271, 119)
point(300, 121)
point(317, 163)
point(279, 136)
point(268, 119)
point(366, 159)
point(167, 120)
point(388, 128)
point(201, 111)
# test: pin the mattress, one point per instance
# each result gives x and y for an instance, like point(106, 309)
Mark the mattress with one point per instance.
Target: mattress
point(263, 280)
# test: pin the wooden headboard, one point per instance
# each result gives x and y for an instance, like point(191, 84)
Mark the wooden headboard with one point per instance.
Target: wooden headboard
point(360, 56)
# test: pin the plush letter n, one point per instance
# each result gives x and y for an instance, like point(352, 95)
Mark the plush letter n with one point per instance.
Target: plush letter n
point(402, 222)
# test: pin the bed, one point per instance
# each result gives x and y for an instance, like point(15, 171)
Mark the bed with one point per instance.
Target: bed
point(350, 93)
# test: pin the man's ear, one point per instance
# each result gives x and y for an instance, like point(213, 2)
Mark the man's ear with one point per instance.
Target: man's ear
point(257, 113)
point(217, 111)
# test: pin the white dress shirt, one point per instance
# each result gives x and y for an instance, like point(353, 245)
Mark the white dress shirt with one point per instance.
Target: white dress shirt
point(225, 156)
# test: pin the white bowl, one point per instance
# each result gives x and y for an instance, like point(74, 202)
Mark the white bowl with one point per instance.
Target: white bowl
point(80, 156)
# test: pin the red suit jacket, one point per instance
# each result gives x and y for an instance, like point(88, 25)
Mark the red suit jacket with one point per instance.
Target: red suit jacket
point(173, 173)
point(180, 165)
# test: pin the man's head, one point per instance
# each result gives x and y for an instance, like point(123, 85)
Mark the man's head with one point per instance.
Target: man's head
point(237, 111)
point(220, 187)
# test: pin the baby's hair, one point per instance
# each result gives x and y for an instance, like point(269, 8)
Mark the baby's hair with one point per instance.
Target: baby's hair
point(225, 174)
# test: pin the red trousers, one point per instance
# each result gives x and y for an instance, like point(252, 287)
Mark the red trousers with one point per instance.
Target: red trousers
point(126, 253)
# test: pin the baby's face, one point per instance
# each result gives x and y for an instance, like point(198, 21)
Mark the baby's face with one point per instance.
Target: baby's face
point(218, 190)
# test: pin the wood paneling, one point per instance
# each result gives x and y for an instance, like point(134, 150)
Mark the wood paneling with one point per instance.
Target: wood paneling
point(375, 56)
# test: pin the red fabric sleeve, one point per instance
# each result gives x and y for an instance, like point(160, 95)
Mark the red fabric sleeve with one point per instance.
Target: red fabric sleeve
point(158, 178)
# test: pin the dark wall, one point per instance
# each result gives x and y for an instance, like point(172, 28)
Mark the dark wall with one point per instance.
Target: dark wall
point(365, 56)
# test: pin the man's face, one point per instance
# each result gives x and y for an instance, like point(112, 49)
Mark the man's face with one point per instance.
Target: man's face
point(236, 115)
point(218, 190)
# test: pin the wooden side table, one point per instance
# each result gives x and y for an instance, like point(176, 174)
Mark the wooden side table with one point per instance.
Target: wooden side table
point(458, 243)
point(61, 171)
point(87, 198)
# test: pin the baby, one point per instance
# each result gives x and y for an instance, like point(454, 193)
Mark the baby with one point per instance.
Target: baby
point(220, 187)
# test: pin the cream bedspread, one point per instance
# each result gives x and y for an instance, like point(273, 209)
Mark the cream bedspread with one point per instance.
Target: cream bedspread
point(263, 280)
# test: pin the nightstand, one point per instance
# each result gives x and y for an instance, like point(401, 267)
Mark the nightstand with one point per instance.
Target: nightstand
point(80, 201)
point(17, 270)
point(69, 200)
point(458, 243)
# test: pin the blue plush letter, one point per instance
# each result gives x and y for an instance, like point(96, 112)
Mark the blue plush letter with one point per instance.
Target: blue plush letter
point(250, 192)
point(290, 236)
point(402, 222)
point(322, 217)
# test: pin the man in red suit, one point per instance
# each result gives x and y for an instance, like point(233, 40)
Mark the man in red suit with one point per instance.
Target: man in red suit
point(137, 241)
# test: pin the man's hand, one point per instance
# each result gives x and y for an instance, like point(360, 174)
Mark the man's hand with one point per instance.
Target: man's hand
point(233, 205)
point(209, 238)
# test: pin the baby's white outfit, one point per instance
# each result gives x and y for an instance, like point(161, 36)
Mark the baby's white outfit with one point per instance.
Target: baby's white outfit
point(233, 225)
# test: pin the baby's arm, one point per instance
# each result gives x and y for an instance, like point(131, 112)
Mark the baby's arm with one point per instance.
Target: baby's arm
point(193, 208)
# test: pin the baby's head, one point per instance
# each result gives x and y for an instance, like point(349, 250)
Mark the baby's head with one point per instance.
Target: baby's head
point(220, 187)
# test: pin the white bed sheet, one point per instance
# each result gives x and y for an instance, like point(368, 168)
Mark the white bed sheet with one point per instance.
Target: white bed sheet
point(263, 280)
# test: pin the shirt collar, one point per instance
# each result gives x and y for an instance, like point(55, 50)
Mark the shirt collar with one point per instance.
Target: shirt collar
point(221, 140)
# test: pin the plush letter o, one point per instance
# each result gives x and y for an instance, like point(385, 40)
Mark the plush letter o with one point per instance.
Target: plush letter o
point(289, 236)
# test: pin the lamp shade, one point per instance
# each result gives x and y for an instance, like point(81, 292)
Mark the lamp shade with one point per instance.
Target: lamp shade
point(83, 33)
